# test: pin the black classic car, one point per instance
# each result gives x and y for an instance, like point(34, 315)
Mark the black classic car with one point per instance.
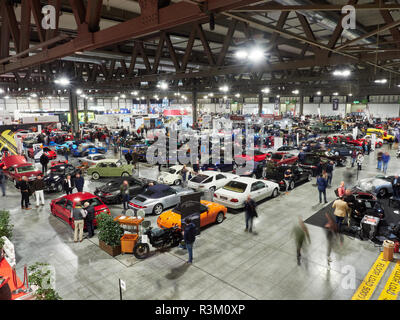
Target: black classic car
point(277, 174)
point(110, 192)
point(56, 174)
point(328, 155)
point(311, 161)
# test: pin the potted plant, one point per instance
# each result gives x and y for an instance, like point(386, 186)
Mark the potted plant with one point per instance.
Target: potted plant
point(42, 280)
point(5, 230)
point(110, 233)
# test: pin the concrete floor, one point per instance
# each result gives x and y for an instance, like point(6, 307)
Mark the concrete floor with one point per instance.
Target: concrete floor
point(228, 263)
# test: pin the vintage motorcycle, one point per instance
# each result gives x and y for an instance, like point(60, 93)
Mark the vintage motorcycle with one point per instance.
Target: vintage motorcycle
point(159, 239)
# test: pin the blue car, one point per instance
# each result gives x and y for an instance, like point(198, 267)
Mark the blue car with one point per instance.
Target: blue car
point(68, 144)
point(220, 166)
point(85, 149)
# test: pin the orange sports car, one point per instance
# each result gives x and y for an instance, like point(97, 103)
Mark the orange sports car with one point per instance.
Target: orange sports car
point(210, 212)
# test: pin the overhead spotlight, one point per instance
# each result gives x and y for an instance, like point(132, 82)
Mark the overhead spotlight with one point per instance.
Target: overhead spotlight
point(123, 96)
point(79, 91)
point(335, 93)
point(205, 97)
point(256, 55)
point(241, 54)
point(91, 99)
point(398, 85)
point(278, 96)
point(224, 88)
point(115, 98)
point(134, 93)
point(163, 85)
point(265, 90)
point(237, 95)
point(295, 91)
point(62, 98)
point(7, 97)
point(380, 81)
point(33, 95)
point(342, 73)
point(212, 94)
point(225, 97)
point(350, 94)
point(143, 98)
point(319, 93)
point(63, 81)
point(1, 90)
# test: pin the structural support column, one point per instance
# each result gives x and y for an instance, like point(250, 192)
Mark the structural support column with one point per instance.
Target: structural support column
point(85, 110)
point(260, 103)
point(73, 110)
point(194, 109)
point(301, 105)
point(148, 105)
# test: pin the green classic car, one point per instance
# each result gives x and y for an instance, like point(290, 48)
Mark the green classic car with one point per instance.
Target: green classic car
point(323, 128)
point(110, 168)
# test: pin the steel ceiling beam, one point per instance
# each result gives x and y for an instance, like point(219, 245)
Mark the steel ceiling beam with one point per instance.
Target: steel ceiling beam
point(174, 15)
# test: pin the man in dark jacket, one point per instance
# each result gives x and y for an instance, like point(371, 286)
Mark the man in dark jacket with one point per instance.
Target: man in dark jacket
point(68, 184)
point(38, 187)
point(89, 219)
point(322, 184)
point(3, 182)
point(189, 235)
point(44, 160)
point(251, 212)
point(396, 186)
point(329, 171)
point(23, 186)
point(79, 182)
point(128, 157)
point(124, 189)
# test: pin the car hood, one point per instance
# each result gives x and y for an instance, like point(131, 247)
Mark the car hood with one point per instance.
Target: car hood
point(369, 184)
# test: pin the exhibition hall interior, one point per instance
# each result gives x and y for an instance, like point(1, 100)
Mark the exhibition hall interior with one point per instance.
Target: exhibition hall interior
point(208, 150)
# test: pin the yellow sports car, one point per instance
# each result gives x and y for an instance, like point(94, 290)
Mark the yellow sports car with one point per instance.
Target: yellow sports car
point(210, 212)
point(381, 134)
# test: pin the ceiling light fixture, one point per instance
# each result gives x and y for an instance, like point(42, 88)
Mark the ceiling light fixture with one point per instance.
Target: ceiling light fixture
point(62, 81)
point(380, 81)
point(342, 73)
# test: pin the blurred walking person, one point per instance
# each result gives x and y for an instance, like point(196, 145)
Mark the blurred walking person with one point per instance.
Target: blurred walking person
point(301, 234)
point(331, 234)
point(385, 160)
point(250, 213)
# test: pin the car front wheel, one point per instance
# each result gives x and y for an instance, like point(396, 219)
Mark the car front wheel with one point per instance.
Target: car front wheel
point(291, 185)
point(141, 251)
point(382, 193)
point(125, 174)
point(177, 182)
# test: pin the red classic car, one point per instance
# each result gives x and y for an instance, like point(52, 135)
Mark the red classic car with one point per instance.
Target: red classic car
point(283, 158)
point(51, 154)
point(16, 167)
point(62, 207)
point(258, 156)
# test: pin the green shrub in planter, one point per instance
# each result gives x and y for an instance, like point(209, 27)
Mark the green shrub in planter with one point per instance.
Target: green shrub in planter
point(5, 226)
point(40, 277)
point(110, 232)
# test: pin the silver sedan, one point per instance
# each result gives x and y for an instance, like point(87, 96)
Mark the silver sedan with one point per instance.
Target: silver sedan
point(157, 198)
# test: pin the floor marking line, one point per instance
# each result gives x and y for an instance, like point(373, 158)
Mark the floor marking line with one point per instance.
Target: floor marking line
point(371, 280)
point(392, 287)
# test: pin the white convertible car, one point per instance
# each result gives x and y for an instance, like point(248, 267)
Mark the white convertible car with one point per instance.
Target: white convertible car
point(211, 180)
point(234, 193)
point(173, 176)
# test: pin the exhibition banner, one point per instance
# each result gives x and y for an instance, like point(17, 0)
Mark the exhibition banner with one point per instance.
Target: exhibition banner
point(335, 104)
point(278, 142)
point(37, 151)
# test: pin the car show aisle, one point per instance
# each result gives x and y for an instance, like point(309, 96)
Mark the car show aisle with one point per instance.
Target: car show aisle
point(228, 263)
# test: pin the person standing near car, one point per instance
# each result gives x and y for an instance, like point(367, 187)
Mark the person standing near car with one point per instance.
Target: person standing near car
point(251, 212)
point(379, 160)
point(342, 210)
point(23, 186)
point(128, 157)
point(44, 160)
point(360, 160)
point(385, 161)
point(287, 176)
point(38, 187)
point(79, 182)
point(322, 184)
point(3, 182)
point(329, 171)
point(90, 214)
point(184, 175)
point(353, 158)
point(68, 184)
point(66, 151)
point(189, 236)
point(124, 189)
point(79, 214)
point(396, 186)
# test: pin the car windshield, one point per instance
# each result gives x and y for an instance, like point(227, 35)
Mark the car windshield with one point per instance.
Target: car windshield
point(26, 169)
point(276, 156)
point(236, 186)
point(172, 171)
point(149, 193)
point(199, 178)
point(93, 202)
